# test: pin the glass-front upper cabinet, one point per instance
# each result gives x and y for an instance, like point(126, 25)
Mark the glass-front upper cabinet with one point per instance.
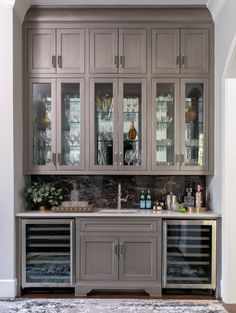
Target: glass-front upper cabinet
point(103, 124)
point(165, 120)
point(117, 124)
point(179, 112)
point(41, 124)
point(132, 117)
point(194, 129)
point(70, 118)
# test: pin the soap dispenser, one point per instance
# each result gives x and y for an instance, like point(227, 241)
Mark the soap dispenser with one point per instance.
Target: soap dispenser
point(74, 195)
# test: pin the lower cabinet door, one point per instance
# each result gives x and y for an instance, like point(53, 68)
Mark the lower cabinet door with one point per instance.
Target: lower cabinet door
point(137, 258)
point(99, 258)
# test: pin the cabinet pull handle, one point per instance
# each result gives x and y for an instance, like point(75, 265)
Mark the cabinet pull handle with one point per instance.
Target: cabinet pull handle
point(59, 61)
point(177, 158)
point(116, 158)
point(59, 158)
point(182, 159)
point(122, 250)
point(178, 61)
point(117, 61)
point(116, 249)
point(183, 61)
point(54, 61)
point(122, 59)
point(54, 159)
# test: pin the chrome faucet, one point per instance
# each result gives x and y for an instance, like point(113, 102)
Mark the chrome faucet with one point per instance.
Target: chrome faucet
point(119, 199)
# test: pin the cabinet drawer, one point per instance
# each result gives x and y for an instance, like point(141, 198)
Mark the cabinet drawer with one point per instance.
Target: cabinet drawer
point(108, 225)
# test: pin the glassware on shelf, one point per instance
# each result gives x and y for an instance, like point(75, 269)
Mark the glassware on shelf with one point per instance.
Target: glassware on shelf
point(129, 156)
point(137, 158)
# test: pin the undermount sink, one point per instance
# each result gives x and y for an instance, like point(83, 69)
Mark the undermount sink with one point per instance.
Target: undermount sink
point(118, 211)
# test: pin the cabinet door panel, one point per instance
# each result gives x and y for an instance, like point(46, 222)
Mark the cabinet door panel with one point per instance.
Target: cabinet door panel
point(70, 124)
point(132, 126)
point(103, 124)
point(137, 258)
point(166, 130)
point(165, 51)
point(99, 260)
point(41, 51)
point(194, 50)
point(103, 50)
point(70, 50)
point(132, 50)
point(194, 128)
point(41, 124)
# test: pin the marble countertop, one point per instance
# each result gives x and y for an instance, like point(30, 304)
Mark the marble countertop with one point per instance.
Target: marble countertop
point(139, 213)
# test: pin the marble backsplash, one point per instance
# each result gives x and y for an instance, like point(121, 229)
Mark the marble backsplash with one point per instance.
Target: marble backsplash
point(102, 190)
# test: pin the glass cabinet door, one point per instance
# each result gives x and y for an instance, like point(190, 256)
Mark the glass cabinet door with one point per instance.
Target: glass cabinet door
point(132, 117)
point(47, 253)
point(194, 141)
point(70, 124)
point(41, 124)
point(165, 116)
point(103, 125)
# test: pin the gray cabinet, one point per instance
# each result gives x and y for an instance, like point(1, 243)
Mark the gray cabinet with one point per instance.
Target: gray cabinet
point(41, 47)
point(180, 146)
point(47, 57)
point(55, 125)
point(183, 51)
point(137, 258)
point(98, 258)
point(118, 50)
point(117, 124)
point(118, 254)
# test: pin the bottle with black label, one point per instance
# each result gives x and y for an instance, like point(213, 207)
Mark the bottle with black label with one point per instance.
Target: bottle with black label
point(142, 200)
point(148, 200)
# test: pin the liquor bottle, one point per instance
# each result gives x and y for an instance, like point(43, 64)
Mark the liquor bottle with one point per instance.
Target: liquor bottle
point(198, 197)
point(132, 132)
point(189, 199)
point(142, 200)
point(148, 200)
point(74, 195)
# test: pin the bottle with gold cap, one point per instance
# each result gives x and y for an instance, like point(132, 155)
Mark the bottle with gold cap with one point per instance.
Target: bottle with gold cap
point(132, 132)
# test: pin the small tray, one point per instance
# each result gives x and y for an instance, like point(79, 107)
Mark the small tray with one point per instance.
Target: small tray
point(196, 210)
point(88, 208)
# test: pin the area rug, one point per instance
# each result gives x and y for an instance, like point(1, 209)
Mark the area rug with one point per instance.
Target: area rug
point(108, 306)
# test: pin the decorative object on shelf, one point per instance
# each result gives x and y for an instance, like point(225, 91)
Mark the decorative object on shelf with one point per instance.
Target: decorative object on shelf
point(132, 132)
point(103, 102)
point(190, 114)
point(43, 194)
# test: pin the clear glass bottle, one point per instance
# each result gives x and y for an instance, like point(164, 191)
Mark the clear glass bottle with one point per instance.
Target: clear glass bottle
point(142, 200)
point(189, 199)
point(148, 200)
point(74, 195)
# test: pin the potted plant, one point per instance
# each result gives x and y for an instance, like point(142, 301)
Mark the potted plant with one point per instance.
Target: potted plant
point(43, 194)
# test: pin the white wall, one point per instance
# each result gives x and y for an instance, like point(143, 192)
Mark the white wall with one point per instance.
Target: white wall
point(223, 183)
point(7, 225)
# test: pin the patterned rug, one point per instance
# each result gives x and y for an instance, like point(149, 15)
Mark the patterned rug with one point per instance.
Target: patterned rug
point(108, 306)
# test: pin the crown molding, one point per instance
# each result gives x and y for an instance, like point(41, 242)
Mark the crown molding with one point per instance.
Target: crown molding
point(21, 7)
point(215, 7)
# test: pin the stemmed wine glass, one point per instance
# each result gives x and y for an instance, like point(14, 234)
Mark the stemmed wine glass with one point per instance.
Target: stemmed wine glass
point(129, 156)
point(137, 157)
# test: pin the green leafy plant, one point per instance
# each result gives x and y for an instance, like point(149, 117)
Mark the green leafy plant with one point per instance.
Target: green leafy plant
point(43, 193)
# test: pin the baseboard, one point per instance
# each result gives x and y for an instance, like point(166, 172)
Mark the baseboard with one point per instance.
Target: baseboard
point(8, 288)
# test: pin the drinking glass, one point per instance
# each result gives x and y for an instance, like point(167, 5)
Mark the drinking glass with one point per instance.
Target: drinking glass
point(129, 156)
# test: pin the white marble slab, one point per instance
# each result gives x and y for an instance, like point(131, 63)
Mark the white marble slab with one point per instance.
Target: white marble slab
point(139, 213)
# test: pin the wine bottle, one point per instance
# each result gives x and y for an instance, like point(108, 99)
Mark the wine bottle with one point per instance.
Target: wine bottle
point(148, 200)
point(142, 200)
